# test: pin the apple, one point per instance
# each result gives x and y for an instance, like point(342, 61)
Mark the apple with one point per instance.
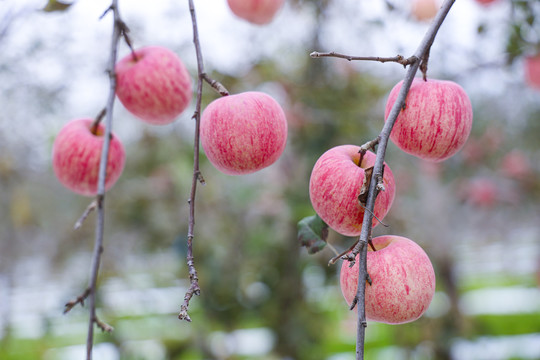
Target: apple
point(516, 164)
point(485, 2)
point(532, 70)
point(436, 121)
point(243, 133)
point(77, 153)
point(480, 192)
point(423, 10)
point(153, 84)
point(334, 186)
point(259, 12)
point(403, 280)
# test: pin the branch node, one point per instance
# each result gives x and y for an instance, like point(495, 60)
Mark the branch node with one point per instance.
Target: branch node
point(368, 279)
point(216, 85)
point(103, 326)
point(200, 177)
point(79, 300)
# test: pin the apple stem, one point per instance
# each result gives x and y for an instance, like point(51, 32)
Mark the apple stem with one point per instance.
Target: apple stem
point(416, 61)
point(97, 120)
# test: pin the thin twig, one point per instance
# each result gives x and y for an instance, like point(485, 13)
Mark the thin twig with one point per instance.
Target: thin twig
point(194, 288)
point(100, 197)
point(91, 207)
point(397, 59)
point(421, 56)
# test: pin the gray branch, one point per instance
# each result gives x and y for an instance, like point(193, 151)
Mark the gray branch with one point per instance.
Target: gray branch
point(418, 60)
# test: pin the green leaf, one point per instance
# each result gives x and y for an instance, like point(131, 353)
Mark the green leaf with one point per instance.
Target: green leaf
point(55, 5)
point(312, 233)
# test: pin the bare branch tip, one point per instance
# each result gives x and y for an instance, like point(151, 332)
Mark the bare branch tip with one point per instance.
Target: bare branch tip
point(104, 326)
point(184, 316)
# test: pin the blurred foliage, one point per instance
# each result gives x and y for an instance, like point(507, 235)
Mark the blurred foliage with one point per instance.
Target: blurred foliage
point(524, 33)
point(55, 5)
point(253, 272)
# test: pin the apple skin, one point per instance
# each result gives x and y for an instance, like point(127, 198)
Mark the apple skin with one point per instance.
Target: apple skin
point(532, 71)
point(243, 133)
point(424, 10)
point(403, 280)
point(259, 12)
point(156, 87)
point(335, 184)
point(436, 122)
point(76, 155)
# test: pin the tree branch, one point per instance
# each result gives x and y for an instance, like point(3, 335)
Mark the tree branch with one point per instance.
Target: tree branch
point(420, 58)
point(97, 204)
point(421, 53)
point(194, 288)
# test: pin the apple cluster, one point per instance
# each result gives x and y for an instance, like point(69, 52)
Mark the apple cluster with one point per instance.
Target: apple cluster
point(154, 85)
point(434, 125)
point(240, 133)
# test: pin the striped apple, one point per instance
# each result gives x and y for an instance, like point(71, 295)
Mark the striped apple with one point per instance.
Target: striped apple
point(436, 121)
point(153, 84)
point(77, 153)
point(334, 187)
point(403, 280)
point(243, 133)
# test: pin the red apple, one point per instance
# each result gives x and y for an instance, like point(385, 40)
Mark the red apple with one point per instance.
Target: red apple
point(258, 12)
point(485, 2)
point(243, 133)
point(423, 10)
point(436, 122)
point(77, 153)
point(481, 192)
point(153, 84)
point(336, 180)
point(532, 70)
point(403, 280)
point(516, 165)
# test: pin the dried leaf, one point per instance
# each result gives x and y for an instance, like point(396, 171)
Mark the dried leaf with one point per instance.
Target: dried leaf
point(312, 233)
point(364, 190)
point(55, 5)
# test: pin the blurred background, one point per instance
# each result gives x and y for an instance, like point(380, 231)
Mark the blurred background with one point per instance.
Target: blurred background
point(263, 297)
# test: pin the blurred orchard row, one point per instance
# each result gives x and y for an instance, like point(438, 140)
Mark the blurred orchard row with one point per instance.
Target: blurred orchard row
point(263, 296)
